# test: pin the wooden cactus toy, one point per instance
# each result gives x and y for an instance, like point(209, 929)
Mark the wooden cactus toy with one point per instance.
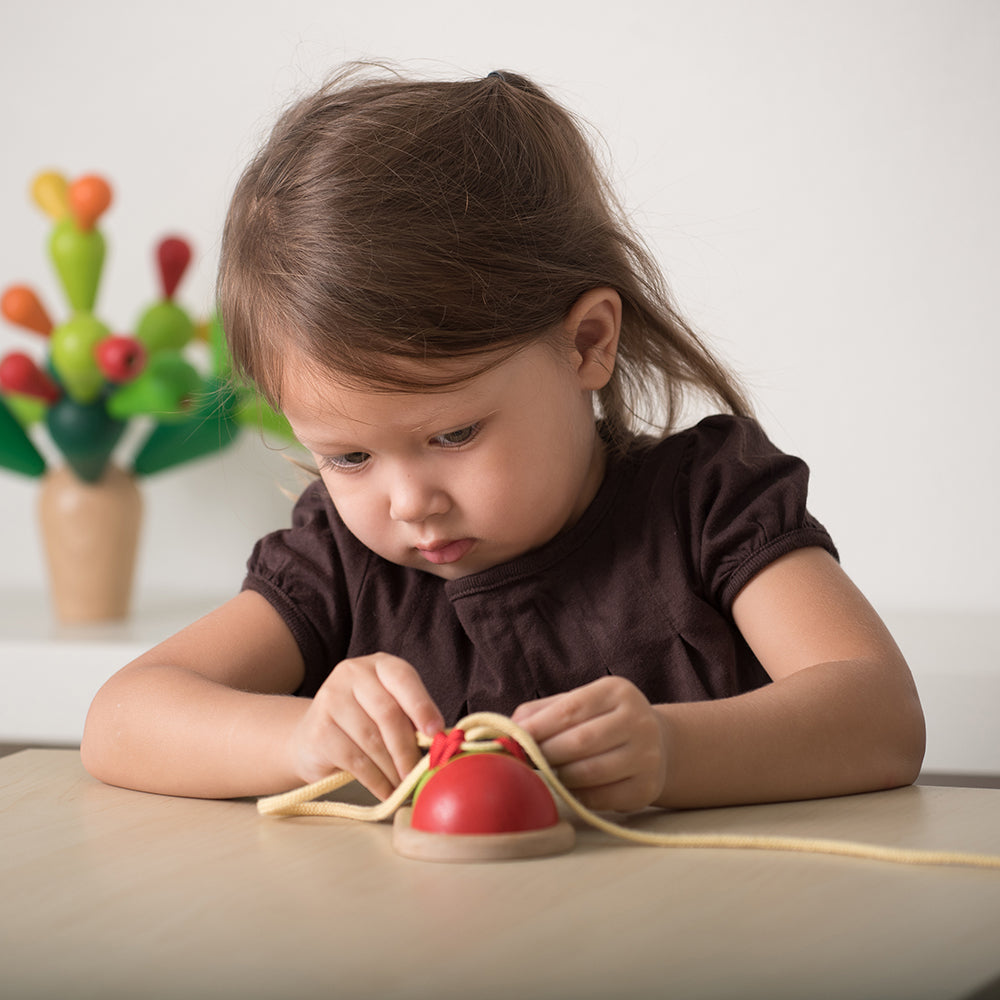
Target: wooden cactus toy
point(87, 383)
point(78, 386)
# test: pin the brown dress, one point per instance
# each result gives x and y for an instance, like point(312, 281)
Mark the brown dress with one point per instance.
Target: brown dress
point(641, 586)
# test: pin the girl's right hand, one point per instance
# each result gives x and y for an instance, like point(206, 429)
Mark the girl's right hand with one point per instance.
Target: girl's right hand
point(364, 720)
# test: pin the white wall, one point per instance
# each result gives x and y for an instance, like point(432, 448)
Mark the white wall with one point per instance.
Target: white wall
point(820, 181)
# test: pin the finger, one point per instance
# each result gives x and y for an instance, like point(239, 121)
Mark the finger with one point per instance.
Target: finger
point(398, 739)
point(361, 711)
point(585, 741)
point(552, 724)
point(598, 770)
point(330, 749)
point(630, 775)
point(404, 683)
point(620, 796)
point(527, 709)
point(361, 751)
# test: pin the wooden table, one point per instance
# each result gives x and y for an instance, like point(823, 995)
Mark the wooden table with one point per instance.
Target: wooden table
point(116, 894)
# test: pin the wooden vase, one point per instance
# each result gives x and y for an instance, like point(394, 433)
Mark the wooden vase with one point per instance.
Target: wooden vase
point(91, 534)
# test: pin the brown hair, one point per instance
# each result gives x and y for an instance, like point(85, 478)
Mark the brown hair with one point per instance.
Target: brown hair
point(388, 218)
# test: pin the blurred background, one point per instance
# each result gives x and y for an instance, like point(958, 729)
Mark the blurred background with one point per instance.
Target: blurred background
point(818, 179)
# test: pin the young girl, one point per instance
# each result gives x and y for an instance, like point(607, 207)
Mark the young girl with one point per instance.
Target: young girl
point(432, 281)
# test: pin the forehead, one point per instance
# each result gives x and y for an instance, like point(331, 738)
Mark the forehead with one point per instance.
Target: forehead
point(318, 408)
point(306, 385)
point(317, 401)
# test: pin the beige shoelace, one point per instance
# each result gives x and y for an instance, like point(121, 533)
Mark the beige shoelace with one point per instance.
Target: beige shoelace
point(482, 730)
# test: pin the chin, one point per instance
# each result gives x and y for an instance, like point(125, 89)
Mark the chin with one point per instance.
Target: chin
point(452, 571)
point(456, 570)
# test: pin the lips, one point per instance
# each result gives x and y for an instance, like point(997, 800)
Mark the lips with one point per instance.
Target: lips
point(444, 552)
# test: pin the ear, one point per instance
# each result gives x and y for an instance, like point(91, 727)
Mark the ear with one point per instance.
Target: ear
point(593, 325)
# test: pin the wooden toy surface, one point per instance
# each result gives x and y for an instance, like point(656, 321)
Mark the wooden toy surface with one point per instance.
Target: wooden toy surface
point(424, 845)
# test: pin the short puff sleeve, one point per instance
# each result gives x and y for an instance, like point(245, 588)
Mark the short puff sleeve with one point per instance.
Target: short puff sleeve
point(744, 504)
point(300, 572)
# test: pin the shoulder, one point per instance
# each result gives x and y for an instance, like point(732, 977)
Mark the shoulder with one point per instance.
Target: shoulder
point(735, 500)
point(309, 573)
point(316, 516)
point(314, 509)
point(316, 545)
point(720, 440)
point(717, 448)
point(312, 523)
point(719, 452)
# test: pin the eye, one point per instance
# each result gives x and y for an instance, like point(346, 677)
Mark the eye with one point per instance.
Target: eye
point(345, 463)
point(455, 439)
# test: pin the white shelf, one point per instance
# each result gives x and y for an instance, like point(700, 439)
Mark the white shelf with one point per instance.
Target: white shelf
point(955, 660)
point(49, 673)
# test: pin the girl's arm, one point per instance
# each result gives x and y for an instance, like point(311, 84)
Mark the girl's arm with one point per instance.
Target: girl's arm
point(205, 713)
point(841, 716)
point(210, 713)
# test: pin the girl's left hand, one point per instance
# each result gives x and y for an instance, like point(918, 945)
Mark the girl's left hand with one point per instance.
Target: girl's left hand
point(604, 740)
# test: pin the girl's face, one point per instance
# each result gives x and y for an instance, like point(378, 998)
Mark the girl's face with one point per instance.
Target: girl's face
point(456, 482)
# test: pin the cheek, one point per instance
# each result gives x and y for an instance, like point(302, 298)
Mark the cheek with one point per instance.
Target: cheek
point(481, 493)
point(356, 508)
point(513, 485)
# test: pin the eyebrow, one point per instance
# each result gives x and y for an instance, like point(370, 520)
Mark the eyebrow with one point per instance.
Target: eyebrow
point(336, 448)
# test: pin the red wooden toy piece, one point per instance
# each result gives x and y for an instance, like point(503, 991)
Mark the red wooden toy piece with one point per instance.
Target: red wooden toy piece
point(120, 358)
point(20, 374)
point(172, 256)
point(480, 806)
point(484, 793)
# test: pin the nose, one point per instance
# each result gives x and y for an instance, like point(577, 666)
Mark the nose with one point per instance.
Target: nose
point(413, 498)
